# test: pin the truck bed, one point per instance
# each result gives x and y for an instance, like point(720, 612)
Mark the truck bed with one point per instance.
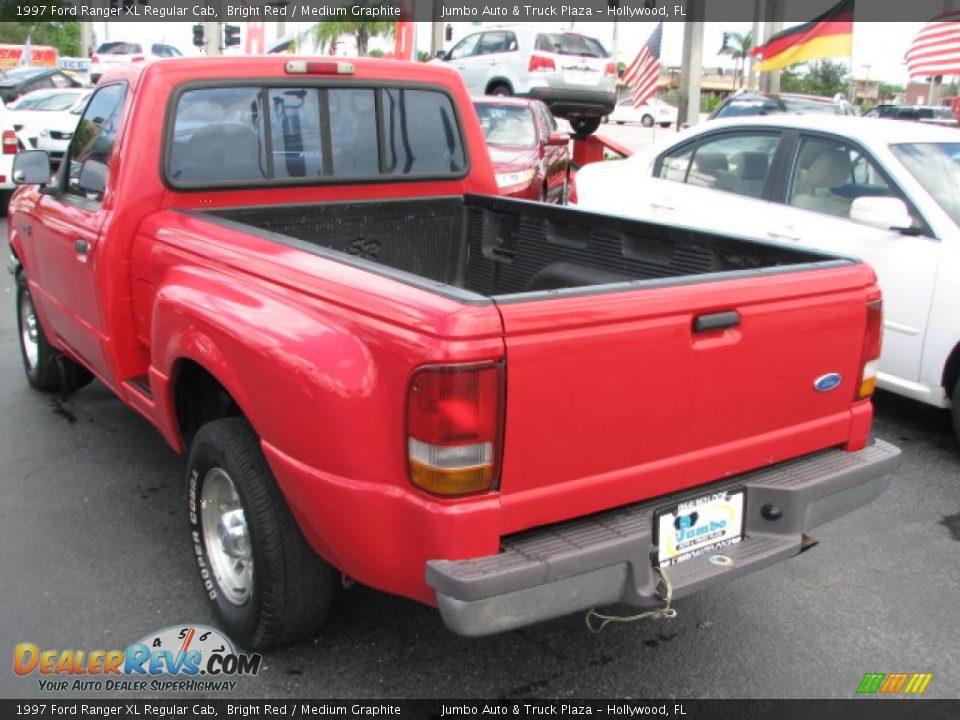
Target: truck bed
point(497, 248)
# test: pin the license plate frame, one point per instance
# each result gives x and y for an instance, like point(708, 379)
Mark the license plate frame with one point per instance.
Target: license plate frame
point(704, 511)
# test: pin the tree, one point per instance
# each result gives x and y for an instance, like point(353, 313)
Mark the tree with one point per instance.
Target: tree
point(325, 34)
point(738, 47)
point(65, 36)
point(824, 77)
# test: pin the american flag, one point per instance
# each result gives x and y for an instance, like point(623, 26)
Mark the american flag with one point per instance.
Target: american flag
point(936, 48)
point(644, 71)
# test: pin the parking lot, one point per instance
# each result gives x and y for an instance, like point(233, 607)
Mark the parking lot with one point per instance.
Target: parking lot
point(95, 554)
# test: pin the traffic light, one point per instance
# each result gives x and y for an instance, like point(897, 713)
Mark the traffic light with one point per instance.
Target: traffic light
point(726, 41)
point(231, 35)
point(448, 32)
point(198, 35)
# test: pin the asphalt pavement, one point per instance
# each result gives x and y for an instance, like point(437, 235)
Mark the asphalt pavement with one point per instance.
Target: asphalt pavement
point(94, 554)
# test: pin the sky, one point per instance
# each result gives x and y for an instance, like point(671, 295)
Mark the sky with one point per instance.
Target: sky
point(878, 48)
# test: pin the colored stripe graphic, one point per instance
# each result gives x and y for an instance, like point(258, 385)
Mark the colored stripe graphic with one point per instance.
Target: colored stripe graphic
point(894, 683)
point(871, 682)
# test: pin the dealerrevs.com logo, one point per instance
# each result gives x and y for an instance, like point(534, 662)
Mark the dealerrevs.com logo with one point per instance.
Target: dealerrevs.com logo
point(176, 659)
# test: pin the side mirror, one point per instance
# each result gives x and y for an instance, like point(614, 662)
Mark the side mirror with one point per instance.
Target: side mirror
point(441, 55)
point(558, 139)
point(31, 167)
point(886, 213)
point(93, 177)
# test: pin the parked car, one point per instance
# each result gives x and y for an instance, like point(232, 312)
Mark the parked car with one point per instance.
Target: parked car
point(750, 102)
point(572, 73)
point(118, 53)
point(20, 81)
point(531, 158)
point(11, 142)
point(51, 115)
point(881, 190)
point(331, 341)
point(652, 111)
point(932, 114)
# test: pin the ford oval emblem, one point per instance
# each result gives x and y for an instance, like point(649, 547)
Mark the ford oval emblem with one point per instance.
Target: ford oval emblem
point(827, 382)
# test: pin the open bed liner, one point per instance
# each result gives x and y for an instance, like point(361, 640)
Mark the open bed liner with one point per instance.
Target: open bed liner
point(495, 247)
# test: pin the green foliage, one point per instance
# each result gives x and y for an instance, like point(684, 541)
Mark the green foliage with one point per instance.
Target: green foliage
point(65, 36)
point(375, 53)
point(888, 91)
point(738, 47)
point(823, 77)
point(708, 103)
point(325, 34)
point(423, 56)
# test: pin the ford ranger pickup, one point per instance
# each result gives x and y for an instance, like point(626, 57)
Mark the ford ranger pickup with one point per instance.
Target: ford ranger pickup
point(297, 270)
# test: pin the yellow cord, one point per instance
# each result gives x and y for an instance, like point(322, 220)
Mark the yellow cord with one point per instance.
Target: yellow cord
point(664, 613)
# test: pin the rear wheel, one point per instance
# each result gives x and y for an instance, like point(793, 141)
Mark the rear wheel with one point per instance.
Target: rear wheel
point(647, 120)
point(585, 126)
point(955, 398)
point(664, 125)
point(265, 583)
point(499, 89)
point(46, 368)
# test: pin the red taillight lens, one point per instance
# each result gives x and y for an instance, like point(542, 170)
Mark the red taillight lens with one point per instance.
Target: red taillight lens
point(541, 63)
point(138, 58)
point(871, 350)
point(9, 142)
point(611, 70)
point(453, 427)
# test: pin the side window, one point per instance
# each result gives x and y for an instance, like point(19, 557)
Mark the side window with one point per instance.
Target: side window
point(464, 48)
point(492, 42)
point(828, 175)
point(92, 143)
point(353, 131)
point(218, 136)
point(734, 163)
point(295, 132)
point(61, 81)
point(43, 83)
point(421, 133)
point(674, 166)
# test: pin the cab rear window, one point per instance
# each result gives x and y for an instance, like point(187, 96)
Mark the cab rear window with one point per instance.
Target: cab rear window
point(258, 136)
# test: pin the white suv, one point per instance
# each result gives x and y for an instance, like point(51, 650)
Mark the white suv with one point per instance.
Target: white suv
point(571, 73)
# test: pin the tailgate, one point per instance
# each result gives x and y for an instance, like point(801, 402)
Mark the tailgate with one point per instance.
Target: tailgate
point(614, 397)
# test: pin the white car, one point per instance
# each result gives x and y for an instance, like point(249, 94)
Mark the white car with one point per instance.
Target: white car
point(119, 53)
point(37, 114)
point(882, 190)
point(652, 111)
point(10, 143)
point(571, 73)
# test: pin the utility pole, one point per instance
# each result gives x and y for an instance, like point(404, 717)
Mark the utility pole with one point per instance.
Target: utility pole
point(213, 34)
point(755, 34)
point(86, 39)
point(436, 27)
point(691, 68)
point(773, 23)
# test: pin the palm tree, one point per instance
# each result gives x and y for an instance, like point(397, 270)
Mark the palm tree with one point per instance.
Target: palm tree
point(738, 47)
point(325, 34)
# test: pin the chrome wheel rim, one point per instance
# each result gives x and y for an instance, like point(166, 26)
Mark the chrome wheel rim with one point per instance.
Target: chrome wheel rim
point(29, 331)
point(226, 536)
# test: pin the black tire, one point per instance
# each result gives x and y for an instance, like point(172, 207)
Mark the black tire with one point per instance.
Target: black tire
point(292, 587)
point(499, 89)
point(647, 120)
point(50, 370)
point(584, 126)
point(664, 125)
point(955, 399)
point(5, 196)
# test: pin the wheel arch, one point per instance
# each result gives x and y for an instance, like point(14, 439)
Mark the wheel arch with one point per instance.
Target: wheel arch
point(951, 370)
point(499, 80)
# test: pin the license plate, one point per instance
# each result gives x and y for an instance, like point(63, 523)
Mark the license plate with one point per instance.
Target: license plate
point(698, 526)
point(579, 77)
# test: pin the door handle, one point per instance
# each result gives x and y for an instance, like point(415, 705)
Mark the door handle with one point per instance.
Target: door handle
point(663, 205)
point(783, 235)
point(716, 321)
point(81, 246)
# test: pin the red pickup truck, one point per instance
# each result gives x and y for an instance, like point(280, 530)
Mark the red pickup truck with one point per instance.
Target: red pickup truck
point(296, 270)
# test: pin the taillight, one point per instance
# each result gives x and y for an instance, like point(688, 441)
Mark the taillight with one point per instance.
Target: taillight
point(453, 428)
point(9, 142)
point(871, 350)
point(138, 58)
point(94, 60)
point(541, 63)
point(611, 70)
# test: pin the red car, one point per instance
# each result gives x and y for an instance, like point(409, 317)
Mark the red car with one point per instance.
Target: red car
point(530, 157)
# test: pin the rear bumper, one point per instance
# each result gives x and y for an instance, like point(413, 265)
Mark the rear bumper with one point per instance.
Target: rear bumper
point(606, 558)
point(567, 103)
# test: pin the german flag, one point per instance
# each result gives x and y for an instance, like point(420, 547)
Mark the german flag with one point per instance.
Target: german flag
point(828, 35)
